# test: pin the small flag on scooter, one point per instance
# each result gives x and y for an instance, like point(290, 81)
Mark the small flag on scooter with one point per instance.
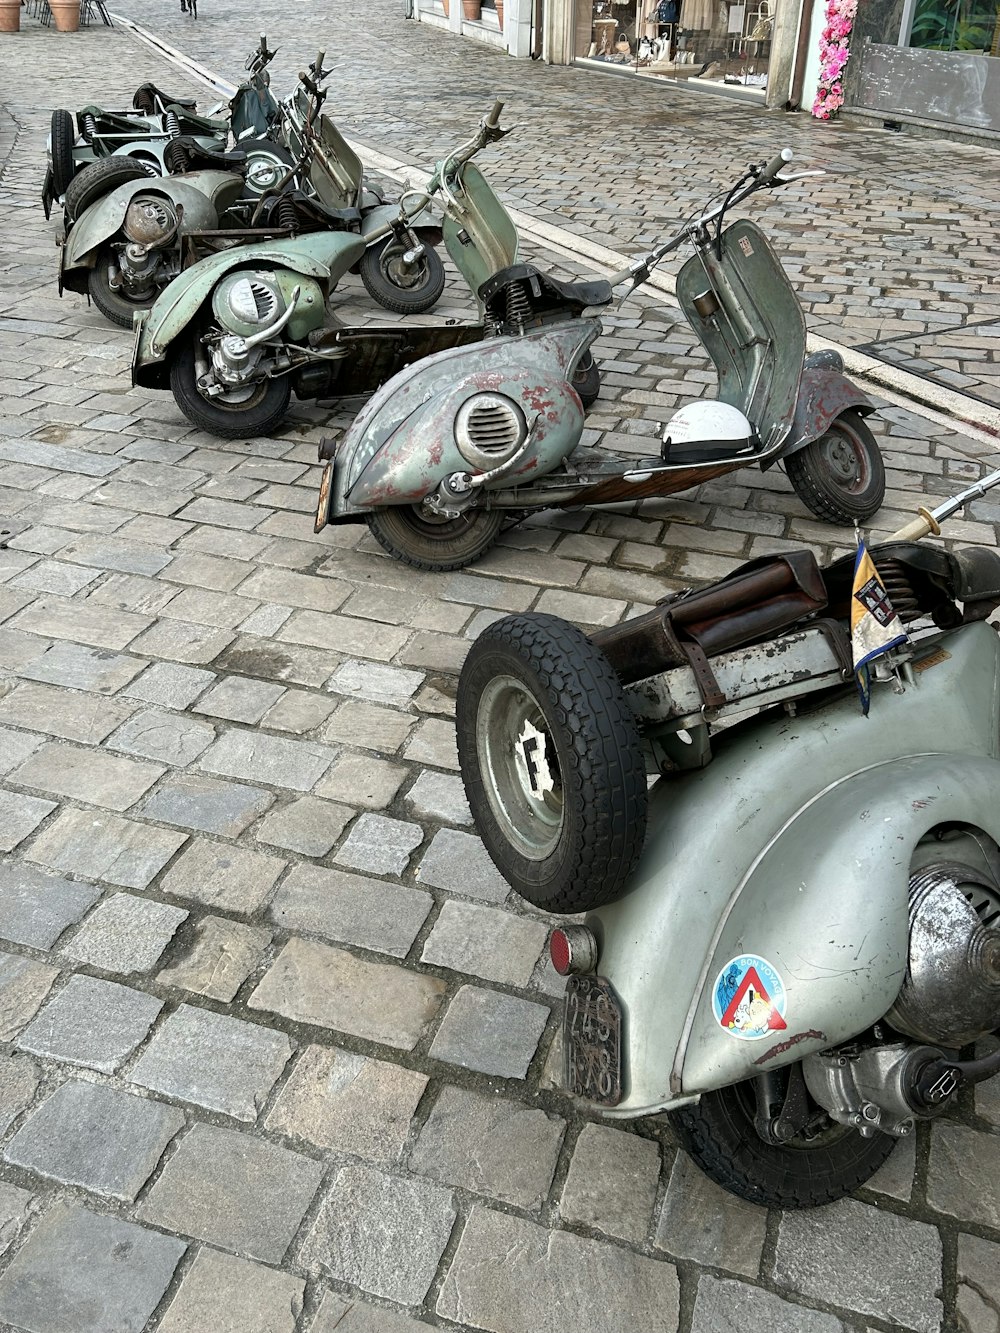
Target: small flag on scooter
point(875, 626)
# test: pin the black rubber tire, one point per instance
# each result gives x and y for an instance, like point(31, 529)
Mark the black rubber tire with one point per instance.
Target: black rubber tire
point(98, 179)
point(113, 306)
point(572, 847)
point(423, 289)
point(858, 491)
point(718, 1133)
point(587, 380)
point(435, 544)
point(259, 415)
point(62, 137)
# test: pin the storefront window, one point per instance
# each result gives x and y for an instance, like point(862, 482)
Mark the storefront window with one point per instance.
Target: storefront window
point(957, 25)
point(712, 41)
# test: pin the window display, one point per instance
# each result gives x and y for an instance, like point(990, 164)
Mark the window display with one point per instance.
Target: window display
point(714, 41)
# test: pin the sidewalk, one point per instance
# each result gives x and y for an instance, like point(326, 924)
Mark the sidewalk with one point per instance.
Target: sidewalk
point(277, 1049)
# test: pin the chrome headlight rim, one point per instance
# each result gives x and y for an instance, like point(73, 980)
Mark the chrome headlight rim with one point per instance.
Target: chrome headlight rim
point(489, 429)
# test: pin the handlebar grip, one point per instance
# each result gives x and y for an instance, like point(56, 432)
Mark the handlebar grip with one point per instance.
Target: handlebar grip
point(917, 528)
point(319, 61)
point(493, 119)
point(775, 165)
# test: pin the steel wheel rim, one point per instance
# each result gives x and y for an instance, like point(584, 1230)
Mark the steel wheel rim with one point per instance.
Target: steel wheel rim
point(519, 767)
point(439, 527)
point(844, 458)
point(405, 276)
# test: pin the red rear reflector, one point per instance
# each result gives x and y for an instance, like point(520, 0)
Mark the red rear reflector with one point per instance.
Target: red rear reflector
point(573, 949)
point(560, 952)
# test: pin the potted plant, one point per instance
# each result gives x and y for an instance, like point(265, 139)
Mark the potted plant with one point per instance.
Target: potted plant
point(472, 9)
point(499, 4)
point(10, 15)
point(65, 15)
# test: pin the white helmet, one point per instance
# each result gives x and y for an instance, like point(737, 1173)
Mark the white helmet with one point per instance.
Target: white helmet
point(706, 420)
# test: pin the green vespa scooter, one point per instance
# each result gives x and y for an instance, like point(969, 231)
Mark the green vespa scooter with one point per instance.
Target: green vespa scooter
point(233, 335)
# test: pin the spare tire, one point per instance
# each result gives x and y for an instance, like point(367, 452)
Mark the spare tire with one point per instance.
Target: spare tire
point(98, 179)
point(61, 140)
point(552, 763)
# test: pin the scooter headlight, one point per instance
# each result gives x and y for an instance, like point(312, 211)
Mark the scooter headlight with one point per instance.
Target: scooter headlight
point(150, 221)
point(245, 303)
point(489, 429)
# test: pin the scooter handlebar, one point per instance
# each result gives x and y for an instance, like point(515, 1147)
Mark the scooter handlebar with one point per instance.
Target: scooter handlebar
point(923, 526)
point(774, 166)
point(493, 119)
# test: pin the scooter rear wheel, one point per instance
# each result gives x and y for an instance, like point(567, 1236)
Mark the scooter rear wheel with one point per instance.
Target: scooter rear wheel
point(258, 413)
point(439, 544)
point(113, 304)
point(552, 763)
point(831, 1161)
point(840, 476)
point(404, 289)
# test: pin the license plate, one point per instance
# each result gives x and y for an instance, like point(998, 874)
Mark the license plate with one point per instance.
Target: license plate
point(322, 504)
point(592, 1034)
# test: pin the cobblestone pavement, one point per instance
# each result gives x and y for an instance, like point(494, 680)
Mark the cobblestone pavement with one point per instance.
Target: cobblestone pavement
point(901, 238)
point(276, 1046)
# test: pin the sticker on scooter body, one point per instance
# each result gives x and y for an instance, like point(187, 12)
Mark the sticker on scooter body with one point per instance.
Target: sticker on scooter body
point(749, 998)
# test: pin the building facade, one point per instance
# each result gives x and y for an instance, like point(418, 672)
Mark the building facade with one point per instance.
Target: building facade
point(923, 63)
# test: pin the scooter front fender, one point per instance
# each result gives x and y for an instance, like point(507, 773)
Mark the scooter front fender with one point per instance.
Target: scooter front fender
point(402, 444)
point(793, 847)
point(823, 395)
point(201, 195)
point(324, 256)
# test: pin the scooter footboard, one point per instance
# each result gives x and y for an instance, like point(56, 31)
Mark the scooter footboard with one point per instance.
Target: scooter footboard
point(375, 355)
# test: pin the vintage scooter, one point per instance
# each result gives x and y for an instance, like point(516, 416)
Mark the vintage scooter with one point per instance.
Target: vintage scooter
point(790, 943)
point(234, 334)
point(461, 444)
point(125, 244)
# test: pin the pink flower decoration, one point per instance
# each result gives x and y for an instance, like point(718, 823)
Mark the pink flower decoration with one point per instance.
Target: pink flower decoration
point(834, 53)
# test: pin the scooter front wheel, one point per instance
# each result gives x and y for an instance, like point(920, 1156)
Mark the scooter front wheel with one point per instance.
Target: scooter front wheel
point(428, 542)
point(406, 289)
point(840, 476)
point(254, 410)
point(818, 1166)
point(552, 763)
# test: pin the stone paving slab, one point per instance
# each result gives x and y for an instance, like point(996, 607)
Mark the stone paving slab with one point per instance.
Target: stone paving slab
point(286, 970)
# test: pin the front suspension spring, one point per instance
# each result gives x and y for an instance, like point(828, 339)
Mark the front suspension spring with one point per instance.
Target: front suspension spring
point(173, 124)
point(88, 127)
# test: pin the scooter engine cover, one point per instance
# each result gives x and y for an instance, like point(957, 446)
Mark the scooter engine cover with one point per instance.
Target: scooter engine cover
point(245, 303)
point(150, 220)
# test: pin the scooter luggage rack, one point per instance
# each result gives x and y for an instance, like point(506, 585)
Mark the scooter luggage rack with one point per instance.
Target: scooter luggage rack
point(781, 669)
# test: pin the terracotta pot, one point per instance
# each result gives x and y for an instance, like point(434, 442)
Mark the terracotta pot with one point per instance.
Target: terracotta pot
point(10, 15)
point(65, 15)
point(445, 6)
point(499, 4)
point(472, 9)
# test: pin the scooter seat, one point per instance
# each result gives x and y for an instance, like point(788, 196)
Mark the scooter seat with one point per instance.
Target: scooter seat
point(576, 296)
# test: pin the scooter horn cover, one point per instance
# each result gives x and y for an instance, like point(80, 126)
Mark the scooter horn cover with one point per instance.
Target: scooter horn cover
point(706, 420)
